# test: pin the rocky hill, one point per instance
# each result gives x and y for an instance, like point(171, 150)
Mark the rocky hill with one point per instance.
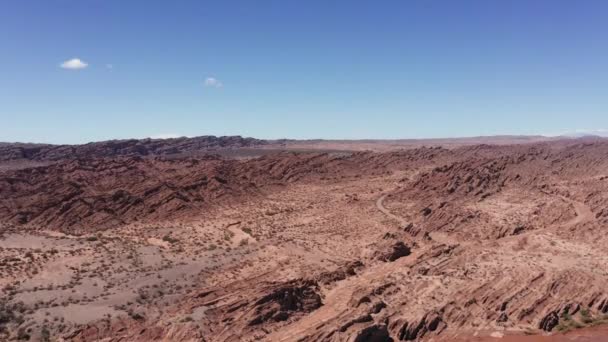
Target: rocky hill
point(91, 194)
point(463, 244)
point(121, 148)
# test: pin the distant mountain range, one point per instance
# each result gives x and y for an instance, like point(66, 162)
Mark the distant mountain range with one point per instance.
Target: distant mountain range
point(190, 146)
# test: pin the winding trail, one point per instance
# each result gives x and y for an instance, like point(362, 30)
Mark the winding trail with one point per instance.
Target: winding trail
point(582, 210)
point(583, 213)
point(385, 211)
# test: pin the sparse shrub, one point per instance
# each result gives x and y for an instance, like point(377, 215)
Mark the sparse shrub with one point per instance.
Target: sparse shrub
point(136, 316)
point(577, 325)
point(6, 314)
point(585, 316)
point(170, 239)
point(22, 335)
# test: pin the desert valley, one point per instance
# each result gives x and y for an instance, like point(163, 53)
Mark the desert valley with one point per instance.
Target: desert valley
point(240, 239)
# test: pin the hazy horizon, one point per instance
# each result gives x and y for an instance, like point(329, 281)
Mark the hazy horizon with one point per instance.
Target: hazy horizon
point(601, 134)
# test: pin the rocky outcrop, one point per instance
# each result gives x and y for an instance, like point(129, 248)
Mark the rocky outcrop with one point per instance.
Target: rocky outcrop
point(283, 301)
point(348, 270)
point(372, 333)
point(123, 148)
point(394, 252)
point(89, 194)
point(411, 330)
point(549, 321)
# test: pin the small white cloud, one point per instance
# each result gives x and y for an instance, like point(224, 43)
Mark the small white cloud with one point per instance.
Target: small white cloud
point(74, 64)
point(213, 82)
point(166, 136)
point(109, 66)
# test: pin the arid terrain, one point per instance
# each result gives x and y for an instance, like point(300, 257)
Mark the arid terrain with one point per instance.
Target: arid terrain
point(240, 239)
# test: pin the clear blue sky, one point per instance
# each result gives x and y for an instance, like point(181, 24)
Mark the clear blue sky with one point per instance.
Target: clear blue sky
point(301, 69)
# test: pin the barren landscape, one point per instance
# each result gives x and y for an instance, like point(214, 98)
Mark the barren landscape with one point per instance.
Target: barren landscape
point(240, 239)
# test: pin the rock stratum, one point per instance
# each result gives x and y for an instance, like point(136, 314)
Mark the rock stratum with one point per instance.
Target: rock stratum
point(122, 148)
point(468, 243)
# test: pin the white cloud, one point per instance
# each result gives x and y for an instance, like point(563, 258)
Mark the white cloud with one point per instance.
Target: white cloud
point(166, 136)
point(109, 66)
point(213, 82)
point(74, 64)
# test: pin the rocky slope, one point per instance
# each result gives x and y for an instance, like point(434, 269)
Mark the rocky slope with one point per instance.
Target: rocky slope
point(423, 244)
point(121, 148)
point(91, 194)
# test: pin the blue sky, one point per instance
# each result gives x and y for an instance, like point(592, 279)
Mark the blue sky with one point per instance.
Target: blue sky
point(301, 69)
